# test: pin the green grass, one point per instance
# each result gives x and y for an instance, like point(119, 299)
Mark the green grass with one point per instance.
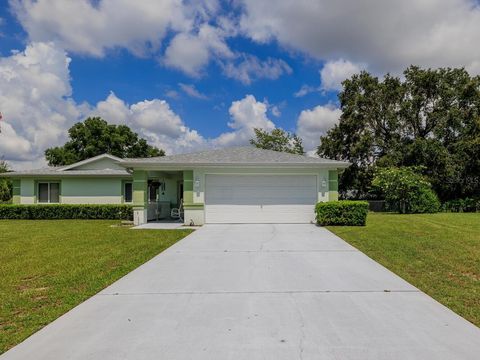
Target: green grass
point(48, 267)
point(438, 253)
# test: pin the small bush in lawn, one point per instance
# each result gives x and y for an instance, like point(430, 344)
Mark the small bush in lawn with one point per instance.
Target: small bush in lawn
point(426, 201)
point(406, 190)
point(64, 211)
point(344, 212)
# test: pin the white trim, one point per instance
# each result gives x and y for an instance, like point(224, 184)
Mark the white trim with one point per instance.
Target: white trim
point(88, 161)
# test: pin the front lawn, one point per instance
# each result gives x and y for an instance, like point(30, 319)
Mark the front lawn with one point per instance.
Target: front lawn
point(48, 267)
point(438, 253)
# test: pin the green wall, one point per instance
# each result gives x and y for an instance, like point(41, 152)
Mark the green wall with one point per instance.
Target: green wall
point(188, 187)
point(16, 191)
point(73, 190)
point(27, 187)
point(140, 183)
point(91, 187)
point(333, 185)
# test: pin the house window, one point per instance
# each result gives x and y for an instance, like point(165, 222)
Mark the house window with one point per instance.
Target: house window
point(128, 192)
point(49, 192)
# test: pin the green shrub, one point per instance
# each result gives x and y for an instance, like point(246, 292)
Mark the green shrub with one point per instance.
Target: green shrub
point(64, 211)
point(462, 205)
point(426, 201)
point(344, 212)
point(406, 190)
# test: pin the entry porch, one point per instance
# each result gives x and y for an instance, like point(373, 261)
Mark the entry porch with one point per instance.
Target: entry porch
point(157, 192)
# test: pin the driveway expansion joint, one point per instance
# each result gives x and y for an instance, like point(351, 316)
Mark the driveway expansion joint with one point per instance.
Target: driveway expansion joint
point(262, 292)
point(262, 251)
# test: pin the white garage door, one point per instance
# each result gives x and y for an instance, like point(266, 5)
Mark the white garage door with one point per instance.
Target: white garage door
point(260, 198)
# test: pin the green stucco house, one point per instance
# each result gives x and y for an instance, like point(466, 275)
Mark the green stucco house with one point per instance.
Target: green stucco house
point(230, 185)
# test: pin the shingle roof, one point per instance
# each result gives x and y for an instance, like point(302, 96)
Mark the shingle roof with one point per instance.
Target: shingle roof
point(69, 170)
point(245, 155)
point(58, 172)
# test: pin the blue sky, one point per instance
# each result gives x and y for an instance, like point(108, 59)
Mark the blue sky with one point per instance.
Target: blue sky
point(191, 75)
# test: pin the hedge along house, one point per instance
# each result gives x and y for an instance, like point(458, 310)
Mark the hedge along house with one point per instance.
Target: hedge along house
point(231, 185)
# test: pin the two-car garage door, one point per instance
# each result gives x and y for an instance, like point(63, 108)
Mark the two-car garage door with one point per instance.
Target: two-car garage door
point(260, 198)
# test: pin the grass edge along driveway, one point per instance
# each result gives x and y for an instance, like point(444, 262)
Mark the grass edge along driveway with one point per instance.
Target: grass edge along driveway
point(437, 253)
point(48, 267)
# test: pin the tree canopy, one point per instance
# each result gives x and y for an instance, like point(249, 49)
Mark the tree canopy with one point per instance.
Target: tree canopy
point(5, 184)
point(278, 140)
point(95, 136)
point(429, 118)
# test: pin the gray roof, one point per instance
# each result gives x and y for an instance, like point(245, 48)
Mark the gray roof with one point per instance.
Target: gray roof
point(59, 172)
point(245, 155)
point(69, 170)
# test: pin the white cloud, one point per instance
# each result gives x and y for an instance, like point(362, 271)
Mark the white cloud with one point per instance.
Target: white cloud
point(153, 120)
point(313, 123)
point(332, 74)
point(35, 101)
point(386, 35)
point(113, 110)
point(12, 145)
point(35, 98)
point(156, 116)
point(156, 121)
point(251, 68)
point(335, 72)
point(172, 94)
point(192, 91)
point(276, 111)
point(187, 54)
point(37, 108)
point(92, 28)
point(246, 114)
point(190, 52)
point(304, 90)
point(474, 67)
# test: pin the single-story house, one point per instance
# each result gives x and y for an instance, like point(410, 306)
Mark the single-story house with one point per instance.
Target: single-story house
point(230, 185)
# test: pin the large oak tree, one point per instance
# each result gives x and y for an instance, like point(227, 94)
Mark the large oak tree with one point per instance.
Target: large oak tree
point(429, 118)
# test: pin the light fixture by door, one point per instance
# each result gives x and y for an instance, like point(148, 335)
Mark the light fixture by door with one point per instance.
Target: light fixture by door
point(324, 183)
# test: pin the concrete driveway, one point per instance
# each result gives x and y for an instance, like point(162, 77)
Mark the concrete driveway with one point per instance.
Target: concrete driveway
point(257, 292)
